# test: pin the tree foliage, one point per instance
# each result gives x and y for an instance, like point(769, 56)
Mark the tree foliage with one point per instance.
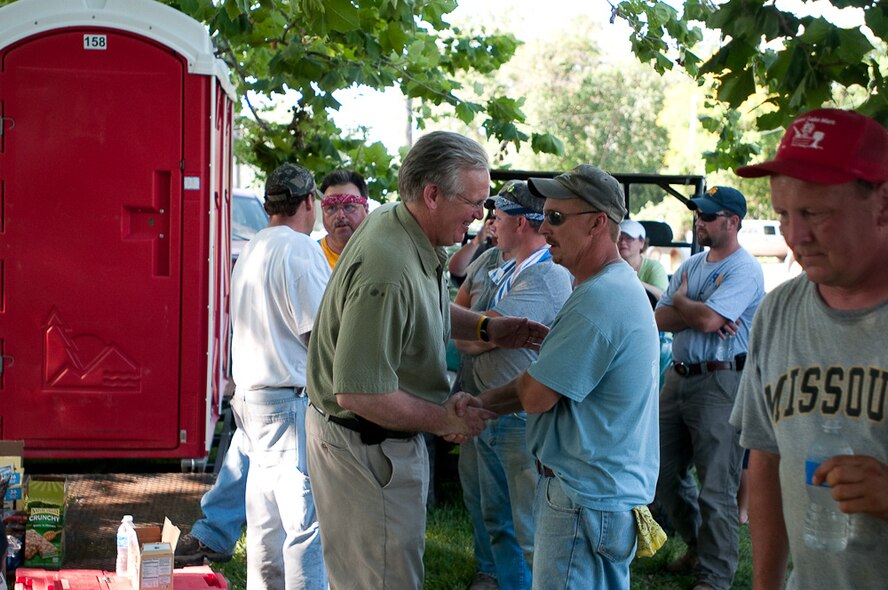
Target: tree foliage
point(313, 48)
point(606, 113)
point(771, 63)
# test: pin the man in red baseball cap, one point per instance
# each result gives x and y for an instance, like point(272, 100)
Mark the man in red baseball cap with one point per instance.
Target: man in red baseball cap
point(818, 357)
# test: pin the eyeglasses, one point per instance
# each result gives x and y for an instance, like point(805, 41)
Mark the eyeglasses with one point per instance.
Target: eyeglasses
point(348, 208)
point(557, 217)
point(708, 217)
point(476, 205)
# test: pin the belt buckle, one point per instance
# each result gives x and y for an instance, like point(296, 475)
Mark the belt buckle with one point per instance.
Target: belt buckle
point(682, 369)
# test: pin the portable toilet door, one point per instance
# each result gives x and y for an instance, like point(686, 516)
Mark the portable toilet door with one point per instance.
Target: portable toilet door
point(115, 157)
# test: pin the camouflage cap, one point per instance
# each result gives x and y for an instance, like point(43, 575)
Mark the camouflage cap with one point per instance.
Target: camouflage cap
point(290, 181)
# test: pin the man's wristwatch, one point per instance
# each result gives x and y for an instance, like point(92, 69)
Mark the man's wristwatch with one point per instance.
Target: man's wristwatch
point(483, 334)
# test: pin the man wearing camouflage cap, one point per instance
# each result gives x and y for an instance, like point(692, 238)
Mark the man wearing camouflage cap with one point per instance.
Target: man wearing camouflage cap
point(276, 289)
point(591, 395)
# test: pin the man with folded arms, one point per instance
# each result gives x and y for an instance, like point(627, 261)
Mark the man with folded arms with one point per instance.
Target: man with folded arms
point(708, 306)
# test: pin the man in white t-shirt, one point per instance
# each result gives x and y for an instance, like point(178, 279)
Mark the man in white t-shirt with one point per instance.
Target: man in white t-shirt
point(276, 290)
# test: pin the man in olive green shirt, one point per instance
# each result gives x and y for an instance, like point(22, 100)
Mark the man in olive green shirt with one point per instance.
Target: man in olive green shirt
point(377, 367)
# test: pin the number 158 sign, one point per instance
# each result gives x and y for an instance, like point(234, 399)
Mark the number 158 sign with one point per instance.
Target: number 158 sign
point(95, 42)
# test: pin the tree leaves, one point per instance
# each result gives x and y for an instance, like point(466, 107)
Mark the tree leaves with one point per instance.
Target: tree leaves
point(771, 57)
point(314, 48)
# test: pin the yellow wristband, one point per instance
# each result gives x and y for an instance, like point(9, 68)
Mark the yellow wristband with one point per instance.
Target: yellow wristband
point(483, 334)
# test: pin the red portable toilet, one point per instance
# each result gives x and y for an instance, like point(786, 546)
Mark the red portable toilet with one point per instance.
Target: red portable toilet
point(115, 164)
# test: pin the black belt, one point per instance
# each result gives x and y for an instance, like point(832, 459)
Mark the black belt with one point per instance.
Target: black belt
point(543, 470)
point(371, 433)
point(690, 369)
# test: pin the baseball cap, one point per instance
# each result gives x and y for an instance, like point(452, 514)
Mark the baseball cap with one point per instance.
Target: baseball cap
point(515, 198)
point(720, 198)
point(829, 146)
point(586, 182)
point(289, 181)
point(633, 229)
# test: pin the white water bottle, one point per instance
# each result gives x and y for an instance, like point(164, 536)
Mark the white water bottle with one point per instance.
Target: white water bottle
point(826, 527)
point(124, 531)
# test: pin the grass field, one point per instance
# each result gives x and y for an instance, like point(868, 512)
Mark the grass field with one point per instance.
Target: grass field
point(450, 565)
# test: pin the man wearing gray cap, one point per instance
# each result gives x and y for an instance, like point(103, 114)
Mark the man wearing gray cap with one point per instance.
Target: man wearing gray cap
point(276, 290)
point(708, 306)
point(591, 395)
point(497, 471)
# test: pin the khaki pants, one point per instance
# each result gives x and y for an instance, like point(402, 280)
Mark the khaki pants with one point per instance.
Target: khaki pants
point(370, 501)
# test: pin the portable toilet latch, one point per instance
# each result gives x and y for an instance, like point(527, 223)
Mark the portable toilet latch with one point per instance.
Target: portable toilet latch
point(3, 121)
point(3, 358)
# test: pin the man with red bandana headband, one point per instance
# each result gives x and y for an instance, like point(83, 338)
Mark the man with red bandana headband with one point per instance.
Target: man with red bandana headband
point(344, 207)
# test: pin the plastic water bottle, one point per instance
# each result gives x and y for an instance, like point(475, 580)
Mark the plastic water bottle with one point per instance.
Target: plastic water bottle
point(826, 527)
point(124, 532)
point(724, 348)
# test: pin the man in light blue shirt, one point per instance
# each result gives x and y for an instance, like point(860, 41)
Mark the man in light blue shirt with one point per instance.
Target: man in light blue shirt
point(708, 306)
point(591, 395)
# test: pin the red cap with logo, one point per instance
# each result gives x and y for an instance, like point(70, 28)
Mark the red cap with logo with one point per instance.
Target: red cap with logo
point(829, 146)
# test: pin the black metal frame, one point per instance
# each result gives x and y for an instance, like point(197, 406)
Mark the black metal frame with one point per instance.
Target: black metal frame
point(667, 182)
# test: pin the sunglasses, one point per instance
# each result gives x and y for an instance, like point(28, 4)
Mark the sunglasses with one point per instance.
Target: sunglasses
point(557, 217)
point(708, 217)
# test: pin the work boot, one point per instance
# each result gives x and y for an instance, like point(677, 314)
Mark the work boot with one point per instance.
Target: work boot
point(684, 564)
point(483, 581)
point(191, 551)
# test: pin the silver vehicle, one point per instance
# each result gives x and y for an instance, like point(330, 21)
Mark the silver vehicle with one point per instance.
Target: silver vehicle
point(762, 237)
point(248, 216)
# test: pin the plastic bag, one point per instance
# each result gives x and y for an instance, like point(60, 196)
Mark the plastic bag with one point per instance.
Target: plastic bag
point(651, 535)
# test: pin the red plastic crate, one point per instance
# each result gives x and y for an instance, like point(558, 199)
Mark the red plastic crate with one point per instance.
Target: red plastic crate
point(188, 578)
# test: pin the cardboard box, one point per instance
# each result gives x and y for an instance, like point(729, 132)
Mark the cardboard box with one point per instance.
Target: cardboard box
point(45, 502)
point(11, 452)
point(153, 564)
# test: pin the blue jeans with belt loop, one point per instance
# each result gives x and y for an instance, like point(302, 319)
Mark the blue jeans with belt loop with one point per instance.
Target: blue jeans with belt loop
point(578, 547)
point(283, 540)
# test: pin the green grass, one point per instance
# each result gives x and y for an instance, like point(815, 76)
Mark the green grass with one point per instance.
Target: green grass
point(450, 565)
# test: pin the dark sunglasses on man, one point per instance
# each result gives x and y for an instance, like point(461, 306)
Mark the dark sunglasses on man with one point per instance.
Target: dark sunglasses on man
point(557, 217)
point(709, 217)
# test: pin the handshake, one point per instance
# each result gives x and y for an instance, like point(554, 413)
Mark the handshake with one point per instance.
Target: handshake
point(466, 418)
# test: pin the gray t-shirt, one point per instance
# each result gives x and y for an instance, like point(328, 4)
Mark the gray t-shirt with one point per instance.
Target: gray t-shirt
point(808, 363)
point(537, 293)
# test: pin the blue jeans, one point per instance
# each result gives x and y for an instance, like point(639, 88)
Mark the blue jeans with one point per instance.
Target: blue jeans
point(576, 547)
point(283, 540)
point(508, 479)
point(223, 506)
point(469, 479)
